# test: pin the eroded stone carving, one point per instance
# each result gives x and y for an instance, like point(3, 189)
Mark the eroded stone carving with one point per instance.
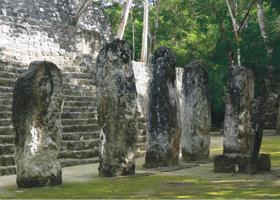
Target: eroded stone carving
point(36, 118)
point(195, 113)
point(163, 138)
point(117, 110)
point(237, 125)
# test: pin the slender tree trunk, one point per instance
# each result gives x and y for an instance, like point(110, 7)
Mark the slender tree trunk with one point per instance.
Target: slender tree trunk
point(260, 103)
point(144, 51)
point(156, 25)
point(82, 7)
point(133, 35)
point(235, 27)
point(123, 20)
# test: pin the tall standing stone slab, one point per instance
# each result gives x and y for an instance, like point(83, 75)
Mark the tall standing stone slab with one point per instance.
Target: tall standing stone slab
point(195, 113)
point(36, 118)
point(117, 109)
point(163, 138)
point(237, 125)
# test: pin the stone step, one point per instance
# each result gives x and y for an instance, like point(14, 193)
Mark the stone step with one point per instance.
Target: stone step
point(7, 149)
point(6, 130)
point(142, 126)
point(5, 115)
point(80, 128)
point(72, 162)
point(92, 153)
point(79, 144)
point(5, 122)
point(6, 95)
point(141, 147)
point(80, 135)
point(81, 104)
point(7, 170)
point(7, 82)
point(77, 115)
point(141, 138)
point(13, 69)
point(140, 154)
point(79, 121)
point(6, 89)
point(79, 87)
point(5, 102)
point(79, 109)
point(79, 75)
point(141, 132)
point(79, 98)
point(5, 74)
point(85, 82)
point(7, 108)
point(6, 139)
point(7, 160)
point(81, 92)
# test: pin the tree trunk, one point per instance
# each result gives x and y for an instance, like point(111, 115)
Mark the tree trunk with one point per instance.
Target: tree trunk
point(235, 28)
point(156, 24)
point(123, 20)
point(260, 102)
point(133, 36)
point(144, 51)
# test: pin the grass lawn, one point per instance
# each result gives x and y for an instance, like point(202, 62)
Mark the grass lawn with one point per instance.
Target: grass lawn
point(196, 182)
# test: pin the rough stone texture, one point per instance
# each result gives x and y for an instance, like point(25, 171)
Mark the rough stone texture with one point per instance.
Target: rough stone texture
point(229, 163)
point(195, 113)
point(163, 137)
point(264, 162)
point(142, 75)
point(36, 118)
point(117, 110)
point(43, 30)
point(237, 125)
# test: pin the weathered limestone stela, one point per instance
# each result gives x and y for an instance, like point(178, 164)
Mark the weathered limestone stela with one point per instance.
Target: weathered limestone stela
point(163, 138)
point(36, 119)
point(117, 109)
point(237, 124)
point(195, 113)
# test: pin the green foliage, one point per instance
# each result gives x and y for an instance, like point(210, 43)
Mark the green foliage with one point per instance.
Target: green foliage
point(199, 29)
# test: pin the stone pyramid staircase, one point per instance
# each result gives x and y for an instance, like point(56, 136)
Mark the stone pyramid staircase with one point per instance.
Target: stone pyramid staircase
point(8, 75)
point(80, 131)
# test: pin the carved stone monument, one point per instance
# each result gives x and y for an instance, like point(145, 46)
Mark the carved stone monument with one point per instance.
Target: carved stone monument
point(163, 138)
point(117, 110)
point(36, 118)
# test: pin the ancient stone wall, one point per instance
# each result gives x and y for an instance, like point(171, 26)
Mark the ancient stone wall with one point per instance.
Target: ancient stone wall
point(33, 30)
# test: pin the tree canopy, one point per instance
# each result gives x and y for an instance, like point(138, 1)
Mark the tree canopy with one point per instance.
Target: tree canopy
point(202, 30)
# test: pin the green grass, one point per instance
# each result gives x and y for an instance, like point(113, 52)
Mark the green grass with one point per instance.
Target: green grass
point(198, 182)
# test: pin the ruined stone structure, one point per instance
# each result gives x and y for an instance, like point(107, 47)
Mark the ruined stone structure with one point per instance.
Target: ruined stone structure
point(117, 110)
point(238, 136)
point(33, 30)
point(195, 113)
point(163, 137)
point(237, 124)
point(37, 104)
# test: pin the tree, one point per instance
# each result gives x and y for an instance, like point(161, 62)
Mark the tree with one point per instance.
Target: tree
point(124, 17)
point(144, 51)
point(260, 103)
